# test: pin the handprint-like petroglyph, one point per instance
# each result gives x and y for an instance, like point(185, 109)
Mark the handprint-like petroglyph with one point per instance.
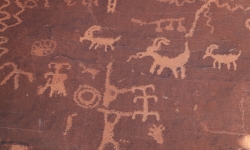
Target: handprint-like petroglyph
point(111, 92)
point(16, 73)
point(145, 112)
point(43, 47)
point(3, 40)
point(111, 6)
point(92, 72)
point(176, 2)
point(69, 123)
point(156, 133)
point(55, 80)
point(248, 23)
point(169, 27)
point(221, 59)
point(108, 132)
point(98, 41)
point(7, 15)
point(205, 9)
point(164, 61)
point(93, 102)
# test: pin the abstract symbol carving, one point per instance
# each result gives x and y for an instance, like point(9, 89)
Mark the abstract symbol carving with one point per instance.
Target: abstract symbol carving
point(164, 61)
point(108, 132)
point(98, 41)
point(16, 73)
point(177, 2)
point(145, 112)
point(93, 102)
point(169, 27)
point(226, 59)
point(92, 72)
point(43, 47)
point(3, 40)
point(111, 6)
point(69, 2)
point(156, 133)
point(55, 80)
point(69, 123)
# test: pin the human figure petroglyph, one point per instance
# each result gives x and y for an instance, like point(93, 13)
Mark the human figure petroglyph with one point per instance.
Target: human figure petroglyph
point(221, 59)
point(16, 73)
point(111, 92)
point(164, 61)
point(156, 133)
point(108, 132)
point(98, 41)
point(6, 15)
point(43, 47)
point(176, 2)
point(55, 80)
point(3, 40)
point(169, 27)
point(92, 72)
point(69, 123)
point(205, 9)
point(111, 6)
point(145, 97)
point(93, 102)
point(248, 23)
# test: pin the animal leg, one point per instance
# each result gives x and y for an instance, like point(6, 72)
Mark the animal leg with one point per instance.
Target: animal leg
point(219, 65)
point(175, 72)
point(152, 69)
point(183, 72)
point(160, 70)
point(214, 64)
point(235, 65)
point(228, 66)
point(112, 47)
point(92, 44)
point(106, 48)
point(96, 46)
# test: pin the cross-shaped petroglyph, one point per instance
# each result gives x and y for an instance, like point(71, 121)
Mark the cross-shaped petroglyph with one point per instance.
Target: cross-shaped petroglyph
point(176, 2)
point(145, 112)
point(164, 61)
point(85, 103)
point(16, 73)
point(98, 41)
point(3, 40)
point(6, 15)
point(205, 9)
point(169, 27)
point(226, 59)
point(43, 47)
point(108, 132)
point(156, 133)
point(111, 6)
point(92, 72)
point(248, 23)
point(55, 80)
point(69, 123)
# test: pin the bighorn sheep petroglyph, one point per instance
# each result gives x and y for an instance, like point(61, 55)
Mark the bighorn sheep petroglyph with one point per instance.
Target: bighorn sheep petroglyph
point(97, 41)
point(164, 61)
point(226, 59)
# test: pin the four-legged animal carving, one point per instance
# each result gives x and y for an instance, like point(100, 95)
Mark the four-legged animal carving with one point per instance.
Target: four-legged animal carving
point(226, 59)
point(97, 41)
point(164, 61)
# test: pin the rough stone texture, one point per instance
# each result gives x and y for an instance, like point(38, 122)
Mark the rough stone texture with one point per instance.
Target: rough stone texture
point(206, 110)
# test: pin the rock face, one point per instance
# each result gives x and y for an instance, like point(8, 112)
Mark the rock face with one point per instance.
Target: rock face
point(124, 74)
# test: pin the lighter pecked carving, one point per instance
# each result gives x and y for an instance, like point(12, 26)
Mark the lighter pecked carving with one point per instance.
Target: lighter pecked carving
point(43, 47)
point(156, 133)
point(3, 40)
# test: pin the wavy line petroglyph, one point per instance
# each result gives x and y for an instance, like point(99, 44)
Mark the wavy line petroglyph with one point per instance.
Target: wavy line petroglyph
point(248, 23)
point(145, 97)
point(3, 40)
point(98, 41)
point(6, 15)
point(221, 59)
point(169, 27)
point(55, 80)
point(164, 61)
point(111, 6)
point(176, 2)
point(43, 47)
point(69, 123)
point(205, 9)
point(85, 103)
point(16, 73)
point(156, 133)
point(108, 132)
point(92, 72)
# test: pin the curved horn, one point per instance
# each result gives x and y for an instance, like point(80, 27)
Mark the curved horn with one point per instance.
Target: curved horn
point(160, 40)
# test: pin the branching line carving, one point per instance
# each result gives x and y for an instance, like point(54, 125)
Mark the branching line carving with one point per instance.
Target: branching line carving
point(3, 40)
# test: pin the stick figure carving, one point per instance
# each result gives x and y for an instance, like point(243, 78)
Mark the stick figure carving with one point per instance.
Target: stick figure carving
point(98, 41)
point(55, 80)
point(164, 61)
point(3, 40)
point(226, 59)
point(16, 73)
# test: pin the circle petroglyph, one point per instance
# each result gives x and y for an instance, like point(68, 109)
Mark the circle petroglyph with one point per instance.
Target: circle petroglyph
point(87, 103)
